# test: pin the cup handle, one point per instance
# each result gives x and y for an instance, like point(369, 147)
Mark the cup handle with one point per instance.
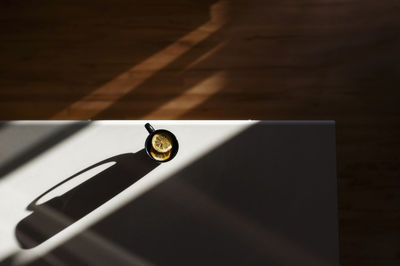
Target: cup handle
point(149, 128)
point(33, 204)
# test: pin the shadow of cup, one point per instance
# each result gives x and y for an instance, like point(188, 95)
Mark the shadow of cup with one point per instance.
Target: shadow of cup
point(113, 175)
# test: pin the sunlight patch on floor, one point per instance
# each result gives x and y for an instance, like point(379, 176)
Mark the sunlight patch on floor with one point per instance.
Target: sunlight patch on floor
point(103, 97)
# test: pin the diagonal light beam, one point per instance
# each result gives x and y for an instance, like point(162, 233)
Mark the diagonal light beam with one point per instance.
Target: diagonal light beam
point(190, 98)
point(103, 97)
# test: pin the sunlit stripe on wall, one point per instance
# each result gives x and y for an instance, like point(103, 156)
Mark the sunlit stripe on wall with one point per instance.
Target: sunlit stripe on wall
point(137, 75)
point(190, 98)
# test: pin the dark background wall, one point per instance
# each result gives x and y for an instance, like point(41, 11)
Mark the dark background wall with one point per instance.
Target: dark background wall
point(182, 59)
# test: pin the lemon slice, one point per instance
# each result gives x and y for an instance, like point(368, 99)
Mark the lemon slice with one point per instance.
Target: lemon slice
point(160, 156)
point(161, 142)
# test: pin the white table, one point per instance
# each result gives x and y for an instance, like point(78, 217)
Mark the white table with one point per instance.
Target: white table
point(237, 193)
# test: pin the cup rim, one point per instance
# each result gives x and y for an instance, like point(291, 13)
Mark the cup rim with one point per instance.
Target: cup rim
point(175, 145)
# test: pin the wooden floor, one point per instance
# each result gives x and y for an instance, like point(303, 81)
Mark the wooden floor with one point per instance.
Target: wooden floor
point(238, 59)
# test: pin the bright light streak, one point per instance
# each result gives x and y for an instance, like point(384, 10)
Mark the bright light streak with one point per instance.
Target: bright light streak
point(103, 97)
point(190, 98)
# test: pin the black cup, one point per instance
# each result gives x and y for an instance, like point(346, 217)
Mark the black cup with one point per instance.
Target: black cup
point(149, 147)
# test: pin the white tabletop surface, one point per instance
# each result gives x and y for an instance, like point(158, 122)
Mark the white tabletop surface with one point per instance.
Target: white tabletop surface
point(36, 156)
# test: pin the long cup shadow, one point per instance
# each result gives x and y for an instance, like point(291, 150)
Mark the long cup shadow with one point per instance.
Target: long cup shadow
point(56, 214)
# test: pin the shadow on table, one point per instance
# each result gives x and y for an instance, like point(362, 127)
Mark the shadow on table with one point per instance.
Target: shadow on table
point(33, 148)
point(234, 206)
point(56, 214)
